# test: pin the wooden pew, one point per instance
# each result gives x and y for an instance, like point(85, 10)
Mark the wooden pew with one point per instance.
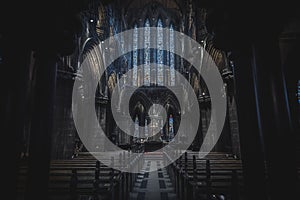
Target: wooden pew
point(84, 176)
point(216, 174)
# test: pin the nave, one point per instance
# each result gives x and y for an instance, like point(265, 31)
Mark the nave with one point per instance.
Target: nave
point(216, 176)
point(255, 49)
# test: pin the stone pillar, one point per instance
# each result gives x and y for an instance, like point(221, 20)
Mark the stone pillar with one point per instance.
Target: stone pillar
point(224, 142)
point(63, 138)
point(252, 148)
point(40, 138)
point(101, 114)
point(275, 119)
point(14, 64)
point(290, 51)
point(200, 131)
point(234, 127)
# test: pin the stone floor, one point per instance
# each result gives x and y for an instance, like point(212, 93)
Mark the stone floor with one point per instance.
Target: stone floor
point(154, 185)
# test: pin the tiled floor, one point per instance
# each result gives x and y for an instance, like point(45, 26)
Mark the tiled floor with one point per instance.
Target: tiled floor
point(154, 185)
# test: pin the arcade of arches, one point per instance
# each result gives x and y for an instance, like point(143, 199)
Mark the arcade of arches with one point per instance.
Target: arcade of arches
point(150, 79)
point(258, 149)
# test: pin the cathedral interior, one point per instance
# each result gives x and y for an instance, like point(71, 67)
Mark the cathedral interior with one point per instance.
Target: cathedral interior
point(60, 153)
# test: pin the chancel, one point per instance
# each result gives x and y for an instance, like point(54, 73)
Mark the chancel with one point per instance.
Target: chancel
point(170, 140)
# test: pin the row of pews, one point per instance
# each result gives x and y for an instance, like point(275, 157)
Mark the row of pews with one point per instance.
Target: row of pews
point(87, 178)
point(216, 176)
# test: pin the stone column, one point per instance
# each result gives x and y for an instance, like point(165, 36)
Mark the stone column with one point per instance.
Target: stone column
point(275, 119)
point(252, 148)
point(63, 138)
point(40, 138)
point(234, 127)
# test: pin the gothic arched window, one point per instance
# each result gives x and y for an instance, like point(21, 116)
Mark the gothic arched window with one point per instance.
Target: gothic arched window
point(135, 56)
point(147, 53)
point(160, 53)
point(172, 57)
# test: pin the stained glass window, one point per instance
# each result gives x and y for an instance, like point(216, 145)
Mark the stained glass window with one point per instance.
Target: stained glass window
point(147, 53)
point(171, 127)
point(156, 74)
point(299, 91)
point(172, 57)
point(160, 54)
point(136, 128)
point(135, 56)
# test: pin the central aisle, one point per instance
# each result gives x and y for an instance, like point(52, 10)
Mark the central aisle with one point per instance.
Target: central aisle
point(153, 185)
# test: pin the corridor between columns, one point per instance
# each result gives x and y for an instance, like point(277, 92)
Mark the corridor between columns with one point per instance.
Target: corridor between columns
point(154, 184)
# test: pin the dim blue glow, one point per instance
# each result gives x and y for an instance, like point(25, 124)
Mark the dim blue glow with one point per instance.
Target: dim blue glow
point(149, 73)
point(147, 53)
point(172, 56)
point(135, 56)
point(299, 91)
point(160, 53)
